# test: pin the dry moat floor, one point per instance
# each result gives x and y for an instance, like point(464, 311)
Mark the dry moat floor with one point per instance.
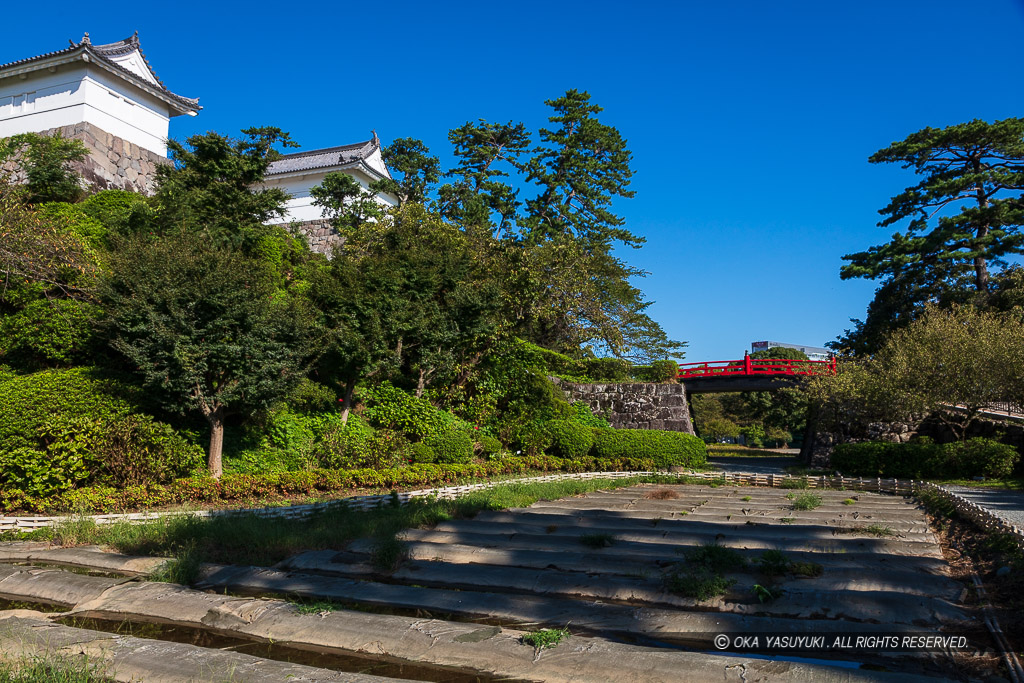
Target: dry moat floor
point(641, 578)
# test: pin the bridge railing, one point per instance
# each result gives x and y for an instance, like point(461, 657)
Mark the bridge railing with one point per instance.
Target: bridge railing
point(755, 366)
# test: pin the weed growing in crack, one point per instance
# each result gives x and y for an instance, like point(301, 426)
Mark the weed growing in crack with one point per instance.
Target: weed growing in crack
point(597, 540)
point(699, 583)
point(806, 501)
point(545, 638)
point(773, 562)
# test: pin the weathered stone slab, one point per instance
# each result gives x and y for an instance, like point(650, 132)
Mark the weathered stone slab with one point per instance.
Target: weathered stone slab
point(130, 659)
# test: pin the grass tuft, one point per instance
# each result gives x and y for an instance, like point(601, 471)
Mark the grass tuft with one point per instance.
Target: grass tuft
point(661, 494)
point(51, 668)
point(597, 540)
point(546, 638)
point(806, 501)
point(699, 583)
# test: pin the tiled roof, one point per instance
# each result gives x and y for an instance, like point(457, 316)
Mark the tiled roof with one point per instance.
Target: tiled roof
point(323, 158)
point(103, 53)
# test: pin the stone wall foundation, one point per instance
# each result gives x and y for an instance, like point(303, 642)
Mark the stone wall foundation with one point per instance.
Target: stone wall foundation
point(635, 405)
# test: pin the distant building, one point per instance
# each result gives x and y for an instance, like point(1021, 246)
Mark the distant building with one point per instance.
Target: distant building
point(297, 174)
point(109, 97)
point(813, 352)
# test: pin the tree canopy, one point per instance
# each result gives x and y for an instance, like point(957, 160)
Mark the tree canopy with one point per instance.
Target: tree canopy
point(206, 329)
point(962, 219)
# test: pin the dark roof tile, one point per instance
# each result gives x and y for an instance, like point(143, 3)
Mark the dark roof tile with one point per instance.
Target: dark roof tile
point(323, 158)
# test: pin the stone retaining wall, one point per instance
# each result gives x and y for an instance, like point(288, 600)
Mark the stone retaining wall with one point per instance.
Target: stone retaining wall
point(322, 237)
point(635, 405)
point(113, 163)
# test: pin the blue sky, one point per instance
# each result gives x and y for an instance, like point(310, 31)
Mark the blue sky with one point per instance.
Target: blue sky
point(750, 123)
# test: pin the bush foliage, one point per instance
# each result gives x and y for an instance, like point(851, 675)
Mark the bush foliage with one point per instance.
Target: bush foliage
point(923, 459)
point(666, 449)
point(570, 439)
point(205, 490)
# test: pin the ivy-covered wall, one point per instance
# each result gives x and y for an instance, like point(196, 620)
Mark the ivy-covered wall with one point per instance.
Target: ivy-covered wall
point(635, 405)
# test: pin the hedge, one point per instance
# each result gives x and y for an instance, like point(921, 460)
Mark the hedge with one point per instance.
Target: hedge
point(666, 449)
point(452, 447)
point(923, 459)
point(29, 401)
point(570, 439)
point(247, 487)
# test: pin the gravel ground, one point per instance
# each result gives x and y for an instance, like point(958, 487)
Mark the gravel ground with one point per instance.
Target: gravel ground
point(1008, 505)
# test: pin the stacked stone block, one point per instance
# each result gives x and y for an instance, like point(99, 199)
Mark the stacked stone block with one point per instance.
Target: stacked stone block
point(635, 405)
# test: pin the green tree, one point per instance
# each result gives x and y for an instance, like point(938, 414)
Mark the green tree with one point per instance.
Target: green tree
point(47, 164)
point(479, 197)
point(417, 171)
point(962, 358)
point(214, 186)
point(964, 217)
point(407, 293)
point(345, 202)
point(206, 328)
point(581, 167)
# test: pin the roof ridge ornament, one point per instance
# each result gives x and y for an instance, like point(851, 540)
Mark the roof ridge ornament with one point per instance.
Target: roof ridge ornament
point(85, 39)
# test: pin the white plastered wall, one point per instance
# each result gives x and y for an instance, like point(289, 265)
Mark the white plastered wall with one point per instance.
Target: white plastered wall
point(300, 206)
point(80, 92)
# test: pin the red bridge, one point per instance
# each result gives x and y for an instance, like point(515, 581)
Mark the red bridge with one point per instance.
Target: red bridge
point(749, 367)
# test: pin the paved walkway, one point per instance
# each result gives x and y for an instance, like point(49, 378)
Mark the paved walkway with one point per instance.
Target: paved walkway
point(766, 464)
point(1007, 505)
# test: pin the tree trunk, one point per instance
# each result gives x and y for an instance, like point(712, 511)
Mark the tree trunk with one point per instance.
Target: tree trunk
point(980, 263)
point(421, 383)
point(216, 419)
point(346, 402)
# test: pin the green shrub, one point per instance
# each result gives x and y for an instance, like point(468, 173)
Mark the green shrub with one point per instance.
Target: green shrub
point(980, 457)
point(570, 439)
point(531, 438)
point(203, 490)
point(422, 453)
point(312, 397)
point(607, 369)
point(357, 445)
point(121, 211)
point(666, 449)
point(454, 447)
point(92, 231)
point(488, 446)
point(658, 371)
point(48, 332)
point(28, 401)
point(129, 450)
point(665, 370)
point(37, 473)
point(581, 413)
point(388, 407)
point(753, 435)
point(922, 459)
